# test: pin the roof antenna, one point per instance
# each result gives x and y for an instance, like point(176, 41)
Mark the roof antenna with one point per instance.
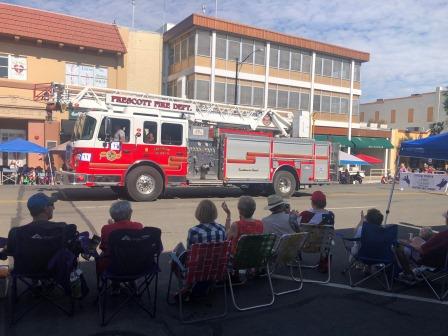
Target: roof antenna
point(133, 12)
point(204, 7)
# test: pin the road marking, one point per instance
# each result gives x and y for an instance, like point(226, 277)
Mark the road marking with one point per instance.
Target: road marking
point(371, 291)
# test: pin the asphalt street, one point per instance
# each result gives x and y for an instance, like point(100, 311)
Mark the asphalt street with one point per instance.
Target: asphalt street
point(333, 309)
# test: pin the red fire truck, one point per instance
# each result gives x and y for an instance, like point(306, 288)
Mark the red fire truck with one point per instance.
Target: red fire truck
point(140, 144)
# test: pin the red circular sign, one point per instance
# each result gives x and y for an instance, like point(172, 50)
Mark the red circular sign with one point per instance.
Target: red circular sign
point(266, 120)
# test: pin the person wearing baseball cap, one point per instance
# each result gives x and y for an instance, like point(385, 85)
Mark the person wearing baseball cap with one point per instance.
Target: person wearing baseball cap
point(278, 221)
point(41, 208)
point(318, 215)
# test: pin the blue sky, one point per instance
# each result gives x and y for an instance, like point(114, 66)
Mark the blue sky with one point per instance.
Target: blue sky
point(406, 39)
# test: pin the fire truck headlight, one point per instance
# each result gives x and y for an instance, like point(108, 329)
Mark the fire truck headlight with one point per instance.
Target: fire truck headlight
point(275, 164)
point(297, 164)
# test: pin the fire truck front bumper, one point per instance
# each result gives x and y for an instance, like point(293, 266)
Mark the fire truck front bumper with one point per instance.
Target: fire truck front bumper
point(90, 180)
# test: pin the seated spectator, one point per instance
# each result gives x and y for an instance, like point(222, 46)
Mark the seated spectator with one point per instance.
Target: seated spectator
point(431, 253)
point(373, 217)
point(120, 213)
point(41, 208)
point(317, 214)
point(278, 222)
point(207, 231)
point(246, 224)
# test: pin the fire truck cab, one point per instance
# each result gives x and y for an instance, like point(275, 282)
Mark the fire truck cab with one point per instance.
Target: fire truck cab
point(138, 146)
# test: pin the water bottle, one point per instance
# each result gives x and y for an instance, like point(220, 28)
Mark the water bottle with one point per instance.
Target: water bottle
point(75, 283)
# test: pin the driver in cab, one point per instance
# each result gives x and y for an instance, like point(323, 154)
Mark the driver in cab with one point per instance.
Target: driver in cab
point(119, 134)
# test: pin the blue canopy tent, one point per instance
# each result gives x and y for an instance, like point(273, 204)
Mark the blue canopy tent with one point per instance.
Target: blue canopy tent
point(22, 146)
point(433, 147)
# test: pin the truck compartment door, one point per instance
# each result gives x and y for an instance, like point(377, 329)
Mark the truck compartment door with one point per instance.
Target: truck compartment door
point(321, 172)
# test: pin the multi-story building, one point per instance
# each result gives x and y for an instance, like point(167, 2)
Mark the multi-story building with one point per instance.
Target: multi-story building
point(203, 55)
point(416, 112)
point(42, 47)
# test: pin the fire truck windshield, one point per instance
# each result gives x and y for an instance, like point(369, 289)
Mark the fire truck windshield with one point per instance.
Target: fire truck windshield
point(84, 128)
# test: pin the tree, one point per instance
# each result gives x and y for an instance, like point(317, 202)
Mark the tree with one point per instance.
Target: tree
point(436, 128)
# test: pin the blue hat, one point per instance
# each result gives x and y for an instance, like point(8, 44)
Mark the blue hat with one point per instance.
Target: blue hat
point(38, 202)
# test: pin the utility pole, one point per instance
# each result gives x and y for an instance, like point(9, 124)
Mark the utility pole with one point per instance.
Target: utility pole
point(216, 8)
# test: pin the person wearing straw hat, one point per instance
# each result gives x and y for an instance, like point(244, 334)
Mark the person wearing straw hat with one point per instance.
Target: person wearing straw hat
point(278, 222)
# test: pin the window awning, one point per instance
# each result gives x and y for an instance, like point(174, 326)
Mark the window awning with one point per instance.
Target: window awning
point(363, 142)
point(342, 140)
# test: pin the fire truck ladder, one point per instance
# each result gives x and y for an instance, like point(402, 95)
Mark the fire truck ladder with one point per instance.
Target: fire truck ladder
point(89, 98)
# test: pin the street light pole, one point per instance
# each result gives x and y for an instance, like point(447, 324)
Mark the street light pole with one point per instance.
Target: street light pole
point(238, 64)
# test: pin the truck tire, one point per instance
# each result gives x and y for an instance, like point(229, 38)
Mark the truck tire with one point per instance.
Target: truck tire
point(144, 184)
point(284, 184)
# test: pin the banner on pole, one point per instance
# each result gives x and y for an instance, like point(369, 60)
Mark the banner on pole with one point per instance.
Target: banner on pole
point(430, 182)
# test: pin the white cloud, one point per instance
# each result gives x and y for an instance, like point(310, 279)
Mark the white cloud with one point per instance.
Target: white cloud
point(406, 39)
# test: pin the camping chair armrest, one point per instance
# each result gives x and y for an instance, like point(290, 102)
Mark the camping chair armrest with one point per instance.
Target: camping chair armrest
point(176, 260)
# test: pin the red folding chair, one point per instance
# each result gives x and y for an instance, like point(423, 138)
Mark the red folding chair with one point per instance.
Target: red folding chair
point(204, 263)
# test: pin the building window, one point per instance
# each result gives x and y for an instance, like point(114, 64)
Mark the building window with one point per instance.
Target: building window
point(335, 104)
point(190, 89)
point(344, 106)
point(177, 53)
point(316, 103)
point(245, 95)
point(260, 57)
point(284, 58)
point(306, 63)
point(305, 101)
point(355, 107)
point(294, 100)
point(337, 67)
point(430, 114)
point(273, 57)
point(220, 92)
point(346, 70)
point(171, 55)
point(411, 115)
point(326, 104)
point(258, 96)
point(234, 48)
point(85, 75)
point(221, 46)
point(393, 116)
point(377, 116)
point(282, 99)
point(230, 93)
point(172, 134)
point(203, 43)
point(272, 98)
point(318, 66)
point(4, 61)
point(179, 89)
point(357, 72)
point(184, 49)
point(203, 90)
point(191, 43)
point(295, 61)
point(247, 49)
point(361, 117)
point(327, 67)
point(13, 67)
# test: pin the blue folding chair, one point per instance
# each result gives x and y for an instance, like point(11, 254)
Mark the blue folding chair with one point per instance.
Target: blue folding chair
point(375, 252)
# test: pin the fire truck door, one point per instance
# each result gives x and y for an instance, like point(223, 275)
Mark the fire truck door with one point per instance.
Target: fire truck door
point(120, 149)
point(321, 166)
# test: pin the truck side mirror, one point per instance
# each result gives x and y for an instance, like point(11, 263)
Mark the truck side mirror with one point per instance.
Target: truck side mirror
point(108, 128)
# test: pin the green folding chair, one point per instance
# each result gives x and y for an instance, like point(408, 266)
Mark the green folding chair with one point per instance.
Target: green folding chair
point(285, 254)
point(253, 251)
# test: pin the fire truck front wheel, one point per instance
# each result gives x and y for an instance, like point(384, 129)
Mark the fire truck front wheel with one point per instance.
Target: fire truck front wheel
point(285, 184)
point(144, 184)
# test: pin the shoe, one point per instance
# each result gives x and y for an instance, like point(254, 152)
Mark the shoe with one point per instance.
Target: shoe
point(407, 279)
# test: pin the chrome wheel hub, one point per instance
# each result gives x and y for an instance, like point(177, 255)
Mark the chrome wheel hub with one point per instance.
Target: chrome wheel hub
point(284, 185)
point(145, 184)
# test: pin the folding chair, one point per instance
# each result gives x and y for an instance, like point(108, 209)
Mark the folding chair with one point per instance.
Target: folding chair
point(9, 176)
point(319, 241)
point(34, 248)
point(253, 251)
point(133, 264)
point(376, 250)
point(431, 275)
point(288, 247)
point(204, 263)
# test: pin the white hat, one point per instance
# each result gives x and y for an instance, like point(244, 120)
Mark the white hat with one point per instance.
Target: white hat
point(274, 201)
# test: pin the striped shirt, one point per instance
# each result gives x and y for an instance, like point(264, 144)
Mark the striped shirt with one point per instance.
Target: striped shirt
point(206, 233)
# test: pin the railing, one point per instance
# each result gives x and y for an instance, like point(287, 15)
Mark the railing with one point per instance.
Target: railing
point(377, 172)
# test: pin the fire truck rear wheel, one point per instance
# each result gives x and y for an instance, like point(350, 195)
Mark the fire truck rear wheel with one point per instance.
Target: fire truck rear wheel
point(284, 184)
point(144, 184)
